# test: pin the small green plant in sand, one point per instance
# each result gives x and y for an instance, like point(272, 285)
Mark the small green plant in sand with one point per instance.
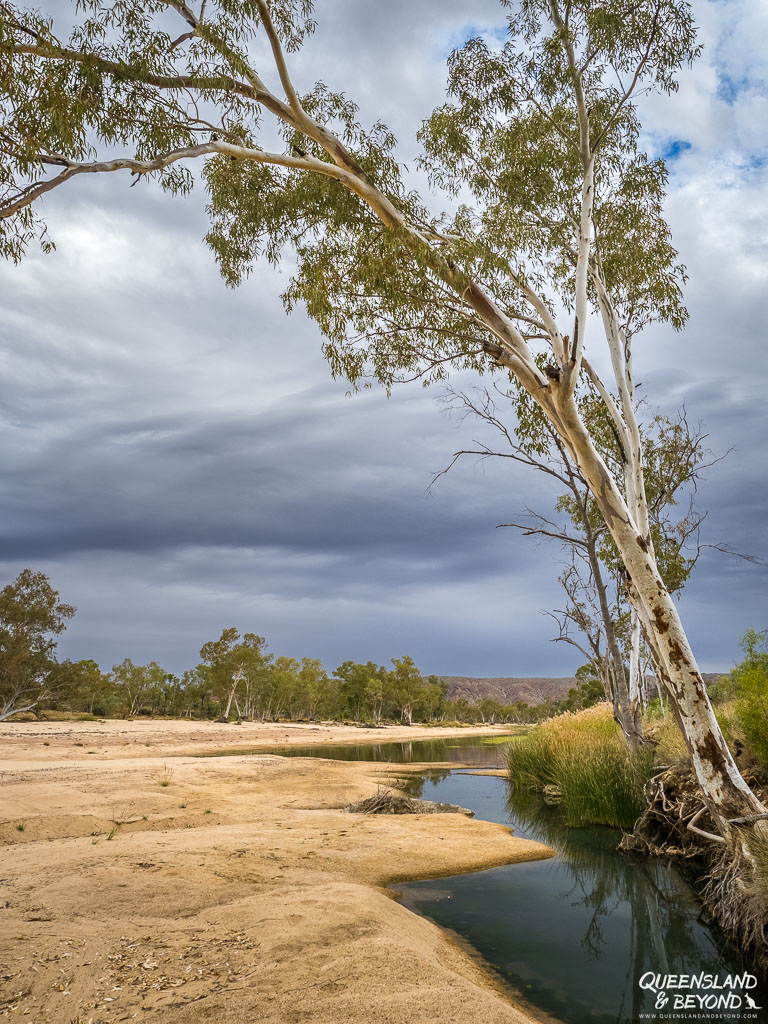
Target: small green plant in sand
point(496, 741)
point(208, 811)
point(182, 806)
point(165, 778)
point(21, 826)
point(587, 762)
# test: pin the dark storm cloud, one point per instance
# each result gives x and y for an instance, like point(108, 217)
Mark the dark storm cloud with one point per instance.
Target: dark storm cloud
point(294, 477)
point(178, 458)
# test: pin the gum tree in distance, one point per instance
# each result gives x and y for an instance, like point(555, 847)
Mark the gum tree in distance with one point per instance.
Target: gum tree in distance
point(32, 616)
point(542, 132)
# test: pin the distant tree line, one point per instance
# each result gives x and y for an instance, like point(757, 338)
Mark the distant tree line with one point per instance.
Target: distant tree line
point(236, 678)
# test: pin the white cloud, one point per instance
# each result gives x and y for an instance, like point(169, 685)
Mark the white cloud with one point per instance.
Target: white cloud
point(178, 458)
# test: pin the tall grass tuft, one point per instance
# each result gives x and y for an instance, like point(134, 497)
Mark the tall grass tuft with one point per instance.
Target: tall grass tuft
point(585, 757)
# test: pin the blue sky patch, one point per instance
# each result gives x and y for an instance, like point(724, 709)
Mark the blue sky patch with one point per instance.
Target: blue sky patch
point(674, 148)
point(497, 33)
point(729, 87)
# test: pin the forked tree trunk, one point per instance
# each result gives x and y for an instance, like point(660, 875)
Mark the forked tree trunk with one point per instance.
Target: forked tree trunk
point(625, 711)
point(237, 676)
point(725, 792)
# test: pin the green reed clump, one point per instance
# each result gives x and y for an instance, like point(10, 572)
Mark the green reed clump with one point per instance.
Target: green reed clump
point(529, 761)
point(583, 755)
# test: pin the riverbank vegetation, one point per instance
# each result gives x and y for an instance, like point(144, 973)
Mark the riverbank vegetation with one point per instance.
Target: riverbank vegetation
point(582, 760)
point(580, 756)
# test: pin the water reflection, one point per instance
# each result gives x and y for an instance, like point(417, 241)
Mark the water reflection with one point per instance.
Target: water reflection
point(471, 750)
point(575, 934)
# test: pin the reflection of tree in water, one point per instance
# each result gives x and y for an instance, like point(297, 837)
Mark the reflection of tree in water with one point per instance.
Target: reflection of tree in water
point(458, 751)
point(413, 785)
point(664, 935)
point(471, 752)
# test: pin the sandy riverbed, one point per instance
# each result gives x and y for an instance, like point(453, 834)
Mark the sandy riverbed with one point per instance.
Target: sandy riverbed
point(238, 892)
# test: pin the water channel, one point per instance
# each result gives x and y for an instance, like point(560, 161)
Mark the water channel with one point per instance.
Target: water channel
point(572, 935)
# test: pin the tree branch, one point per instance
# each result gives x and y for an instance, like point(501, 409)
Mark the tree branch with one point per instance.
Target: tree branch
point(73, 168)
point(117, 68)
point(282, 68)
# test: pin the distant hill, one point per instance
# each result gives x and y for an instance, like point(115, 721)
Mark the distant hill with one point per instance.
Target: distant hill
point(531, 690)
point(508, 690)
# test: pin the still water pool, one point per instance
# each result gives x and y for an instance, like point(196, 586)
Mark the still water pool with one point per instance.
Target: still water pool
point(480, 752)
point(573, 935)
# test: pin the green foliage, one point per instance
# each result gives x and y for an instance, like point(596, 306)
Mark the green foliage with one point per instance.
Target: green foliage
point(654, 710)
point(583, 755)
point(511, 137)
point(269, 687)
point(385, 297)
point(588, 692)
point(234, 663)
point(748, 683)
point(740, 701)
point(32, 616)
point(741, 697)
point(82, 684)
point(139, 687)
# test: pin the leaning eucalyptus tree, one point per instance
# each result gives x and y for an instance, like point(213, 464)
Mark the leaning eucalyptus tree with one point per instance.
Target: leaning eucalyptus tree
point(541, 133)
point(597, 618)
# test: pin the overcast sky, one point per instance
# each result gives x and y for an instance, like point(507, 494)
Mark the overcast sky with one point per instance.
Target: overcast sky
point(178, 459)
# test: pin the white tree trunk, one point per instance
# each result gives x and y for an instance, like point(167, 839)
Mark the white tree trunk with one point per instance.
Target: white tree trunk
point(724, 790)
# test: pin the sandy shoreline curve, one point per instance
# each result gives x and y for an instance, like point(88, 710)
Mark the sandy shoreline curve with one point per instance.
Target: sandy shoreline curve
point(139, 883)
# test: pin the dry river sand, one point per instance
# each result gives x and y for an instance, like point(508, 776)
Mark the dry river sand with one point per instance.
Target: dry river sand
point(237, 892)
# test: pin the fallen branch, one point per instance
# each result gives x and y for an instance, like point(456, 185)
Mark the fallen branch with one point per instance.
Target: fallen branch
point(700, 832)
point(748, 819)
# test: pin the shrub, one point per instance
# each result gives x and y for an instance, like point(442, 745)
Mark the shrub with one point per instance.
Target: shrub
point(752, 711)
point(584, 755)
point(654, 710)
point(746, 691)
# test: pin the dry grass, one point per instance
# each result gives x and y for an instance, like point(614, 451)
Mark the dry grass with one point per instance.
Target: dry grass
point(737, 892)
point(670, 745)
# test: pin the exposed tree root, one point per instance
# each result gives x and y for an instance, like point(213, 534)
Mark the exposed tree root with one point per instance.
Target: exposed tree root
point(734, 869)
point(673, 799)
point(736, 892)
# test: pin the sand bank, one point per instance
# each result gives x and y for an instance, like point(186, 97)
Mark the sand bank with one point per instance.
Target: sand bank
point(238, 892)
point(117, 738)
